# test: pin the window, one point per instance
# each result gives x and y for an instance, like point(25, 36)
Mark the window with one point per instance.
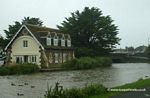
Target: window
point(33, 59)
point(68, 43)
point(56, 57)
point(64, 57)
point(25, 43)
point(18, 59)
point(48, 41)
point(59, 42)
point(60, 57)
point(50, 57)
point(52, 41)
point(25, 59)
point(55, 42)
point(62, 42)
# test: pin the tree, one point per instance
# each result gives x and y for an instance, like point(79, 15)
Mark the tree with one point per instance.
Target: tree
point(1, 42)
point(34, 21)
point(12, 29)
point(147, 52)
point(91, 30)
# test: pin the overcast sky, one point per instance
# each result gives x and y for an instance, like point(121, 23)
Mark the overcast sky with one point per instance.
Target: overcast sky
point(131, 16)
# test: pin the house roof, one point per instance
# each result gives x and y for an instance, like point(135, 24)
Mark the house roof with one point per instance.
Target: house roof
point(39, 33)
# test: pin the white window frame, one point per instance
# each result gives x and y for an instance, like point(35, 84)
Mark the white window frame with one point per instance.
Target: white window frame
point(48, 41)
point(32, 58)
point(56, 41)
point(63, 42)
point(68, 42)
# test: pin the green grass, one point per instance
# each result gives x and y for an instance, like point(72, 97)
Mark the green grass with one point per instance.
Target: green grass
point(138, 84)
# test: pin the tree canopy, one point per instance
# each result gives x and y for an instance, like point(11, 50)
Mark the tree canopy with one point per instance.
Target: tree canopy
point(91, 32)
point(2, 42)
point(12, 29)
point(147, 52)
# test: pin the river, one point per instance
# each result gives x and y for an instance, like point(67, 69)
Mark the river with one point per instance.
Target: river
point(35, 85)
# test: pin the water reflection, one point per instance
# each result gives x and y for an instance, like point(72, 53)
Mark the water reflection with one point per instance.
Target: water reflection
point(115, 75)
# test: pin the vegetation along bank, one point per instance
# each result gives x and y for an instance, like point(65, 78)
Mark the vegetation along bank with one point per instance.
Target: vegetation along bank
point(92, 91)
point(87, 63)
point(19, 69)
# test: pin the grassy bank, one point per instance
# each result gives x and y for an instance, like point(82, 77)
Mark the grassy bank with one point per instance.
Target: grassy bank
point(87, 63)
point(19, 69)
point(135, 85)
point(91, 91)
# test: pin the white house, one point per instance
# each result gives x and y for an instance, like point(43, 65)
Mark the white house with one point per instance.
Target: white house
point(40, 45)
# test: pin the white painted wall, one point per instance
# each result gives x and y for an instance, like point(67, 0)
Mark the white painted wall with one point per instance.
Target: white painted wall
point(32, 49)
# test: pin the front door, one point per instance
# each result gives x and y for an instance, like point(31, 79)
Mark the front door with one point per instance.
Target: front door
point(25, 59)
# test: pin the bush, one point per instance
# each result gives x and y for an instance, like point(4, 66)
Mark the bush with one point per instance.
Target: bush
point(85, 92)
point(87, 63)
point(4, 71)
point(19, 69)
point(96, 89)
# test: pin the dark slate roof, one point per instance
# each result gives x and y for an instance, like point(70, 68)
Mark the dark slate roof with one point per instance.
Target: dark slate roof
point(42, 32)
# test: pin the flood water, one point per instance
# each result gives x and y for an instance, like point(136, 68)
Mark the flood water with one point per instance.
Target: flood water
point(35, 85)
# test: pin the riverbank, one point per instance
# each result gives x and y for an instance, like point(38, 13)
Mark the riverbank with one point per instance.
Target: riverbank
point(140, 84)
point(74, 64)
point(87, 63)
point(95, 91)
point(136, 60)
point(19, 69)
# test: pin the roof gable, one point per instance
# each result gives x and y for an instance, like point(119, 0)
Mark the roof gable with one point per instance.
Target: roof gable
point(39, 34)
point(19, 31)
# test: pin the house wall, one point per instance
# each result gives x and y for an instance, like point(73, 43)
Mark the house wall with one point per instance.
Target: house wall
point(18, 49)
point(58, 56)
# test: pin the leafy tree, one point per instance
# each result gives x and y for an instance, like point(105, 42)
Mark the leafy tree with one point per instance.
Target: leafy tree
point(12, 29)
point(147, 52)
point(90, 29)
point(2, 42)
point(34, 21)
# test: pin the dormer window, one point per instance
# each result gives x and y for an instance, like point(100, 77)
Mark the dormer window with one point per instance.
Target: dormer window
point(63, 41)
point(48, 40)
point(55, 40)
point(68, 41)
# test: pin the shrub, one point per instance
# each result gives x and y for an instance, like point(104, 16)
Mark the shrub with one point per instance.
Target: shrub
point(87, 63)
point(85, 92)
point(96, 89)
point(19, 69)
point(4, 71)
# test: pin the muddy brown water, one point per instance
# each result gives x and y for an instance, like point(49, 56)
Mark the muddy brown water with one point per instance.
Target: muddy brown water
point(35, 85)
